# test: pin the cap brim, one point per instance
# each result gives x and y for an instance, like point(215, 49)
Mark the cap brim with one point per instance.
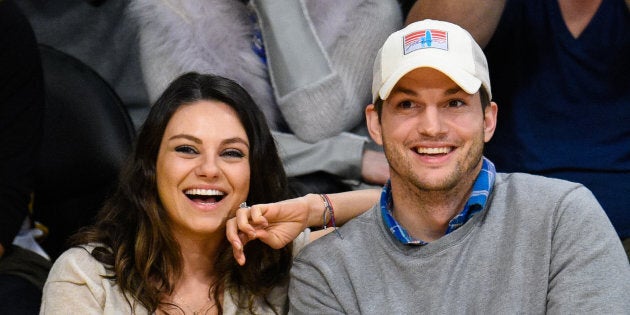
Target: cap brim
point(468, 82)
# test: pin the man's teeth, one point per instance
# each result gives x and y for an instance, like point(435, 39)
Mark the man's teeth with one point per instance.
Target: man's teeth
point(204, 192)
point(442, 150)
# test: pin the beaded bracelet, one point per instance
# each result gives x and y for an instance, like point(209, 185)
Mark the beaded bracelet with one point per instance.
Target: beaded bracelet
point(328, 208)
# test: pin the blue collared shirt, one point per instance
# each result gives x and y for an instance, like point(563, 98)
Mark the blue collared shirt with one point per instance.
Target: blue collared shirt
point(481, 190)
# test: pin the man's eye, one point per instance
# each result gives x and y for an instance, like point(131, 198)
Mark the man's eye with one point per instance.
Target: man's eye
point(233, 153)
point(186, 149)
point(405, 104)
point(456, 103)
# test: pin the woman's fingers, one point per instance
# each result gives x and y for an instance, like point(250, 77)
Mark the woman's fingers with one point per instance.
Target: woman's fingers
point(257, 217)
point(243, 228)
point(242, 222)
point(236, 239)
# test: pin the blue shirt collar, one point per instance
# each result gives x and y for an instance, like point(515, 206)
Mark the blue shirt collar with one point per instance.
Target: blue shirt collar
point(477, 201)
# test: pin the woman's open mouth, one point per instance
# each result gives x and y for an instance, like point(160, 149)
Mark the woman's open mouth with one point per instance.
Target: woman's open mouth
point(204, 195)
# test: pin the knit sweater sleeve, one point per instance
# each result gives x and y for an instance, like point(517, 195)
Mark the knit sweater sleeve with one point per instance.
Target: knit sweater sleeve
point(340, 155)
point(588, 271)
point(332, 101)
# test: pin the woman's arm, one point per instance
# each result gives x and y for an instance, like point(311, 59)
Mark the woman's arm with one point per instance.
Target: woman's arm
point(277, 224)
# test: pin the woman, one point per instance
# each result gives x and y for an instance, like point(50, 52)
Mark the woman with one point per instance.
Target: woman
point(159, 243)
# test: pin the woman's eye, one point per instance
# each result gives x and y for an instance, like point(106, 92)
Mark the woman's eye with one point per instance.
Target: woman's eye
point(233, 153)
point(186, 149)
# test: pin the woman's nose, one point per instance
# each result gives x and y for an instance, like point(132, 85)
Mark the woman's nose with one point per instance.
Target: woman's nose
point(207, 167)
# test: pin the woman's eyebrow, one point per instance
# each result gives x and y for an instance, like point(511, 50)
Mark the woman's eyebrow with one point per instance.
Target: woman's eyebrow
point(185, 136)
point(236, 140)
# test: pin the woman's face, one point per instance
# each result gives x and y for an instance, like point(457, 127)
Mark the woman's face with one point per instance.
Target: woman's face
point(203, 168)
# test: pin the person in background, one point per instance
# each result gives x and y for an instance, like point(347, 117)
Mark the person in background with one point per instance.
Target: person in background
point(304, 62)
point(159, 245)
point(23, 265)
point(561, 72)
point(450, 234)
point(100, 34)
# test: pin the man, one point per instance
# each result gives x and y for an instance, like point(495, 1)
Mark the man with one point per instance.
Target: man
point(561, 74)
point(450, 235)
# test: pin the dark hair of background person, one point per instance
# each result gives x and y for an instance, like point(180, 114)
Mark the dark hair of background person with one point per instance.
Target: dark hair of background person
point(405, 6)
point(133, 228)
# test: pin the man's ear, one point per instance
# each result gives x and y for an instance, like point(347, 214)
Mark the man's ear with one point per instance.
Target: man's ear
point(489, 121)
point(373, 124)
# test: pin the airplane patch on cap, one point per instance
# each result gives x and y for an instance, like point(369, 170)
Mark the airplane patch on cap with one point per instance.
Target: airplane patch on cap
point(430, 38)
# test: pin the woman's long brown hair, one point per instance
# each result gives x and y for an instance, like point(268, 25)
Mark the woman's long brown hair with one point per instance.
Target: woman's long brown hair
point(132, 233)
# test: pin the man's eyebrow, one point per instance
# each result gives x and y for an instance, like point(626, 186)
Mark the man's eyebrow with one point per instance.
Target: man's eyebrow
point(401, 89)
point(454, 90)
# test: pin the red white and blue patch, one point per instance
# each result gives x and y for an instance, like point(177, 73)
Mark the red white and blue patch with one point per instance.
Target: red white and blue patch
point(425, 39)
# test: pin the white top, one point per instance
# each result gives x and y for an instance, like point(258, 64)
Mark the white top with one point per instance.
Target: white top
point(75, 285)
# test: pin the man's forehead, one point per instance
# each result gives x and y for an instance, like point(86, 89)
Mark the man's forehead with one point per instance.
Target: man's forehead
point(410, 87)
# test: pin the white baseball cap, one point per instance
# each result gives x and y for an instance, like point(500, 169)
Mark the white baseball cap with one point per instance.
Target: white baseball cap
point(440, 45)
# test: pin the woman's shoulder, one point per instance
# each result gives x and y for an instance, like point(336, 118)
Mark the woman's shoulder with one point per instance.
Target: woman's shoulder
point(78, 282)
point(78, 264)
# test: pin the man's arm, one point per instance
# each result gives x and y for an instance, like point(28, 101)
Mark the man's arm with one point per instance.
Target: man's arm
point(589, 270)
point(479, 18)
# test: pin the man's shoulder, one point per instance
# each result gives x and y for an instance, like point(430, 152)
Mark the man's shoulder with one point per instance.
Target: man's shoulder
point(542, 195)
point(527, 183)
point(348, 238)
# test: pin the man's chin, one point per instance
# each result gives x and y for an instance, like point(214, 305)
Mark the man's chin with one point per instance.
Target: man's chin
point(435, 182)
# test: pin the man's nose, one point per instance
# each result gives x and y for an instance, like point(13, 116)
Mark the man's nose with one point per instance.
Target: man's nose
point(431, 122)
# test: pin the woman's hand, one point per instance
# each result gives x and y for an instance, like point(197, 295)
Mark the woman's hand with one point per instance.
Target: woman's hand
point(275, 224)
point(278, 224)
